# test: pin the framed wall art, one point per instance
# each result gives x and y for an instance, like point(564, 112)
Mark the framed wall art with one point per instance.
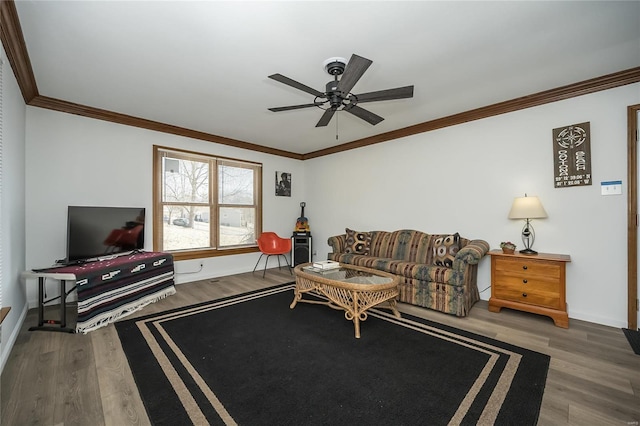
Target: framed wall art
point(283, 184)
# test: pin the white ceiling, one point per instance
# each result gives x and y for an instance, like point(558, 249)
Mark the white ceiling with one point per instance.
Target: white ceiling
point(203, 65)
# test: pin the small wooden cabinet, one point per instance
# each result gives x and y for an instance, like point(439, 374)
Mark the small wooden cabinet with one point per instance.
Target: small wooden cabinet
point(531, 283)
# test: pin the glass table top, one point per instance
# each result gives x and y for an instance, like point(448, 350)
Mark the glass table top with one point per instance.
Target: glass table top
point(348, 275)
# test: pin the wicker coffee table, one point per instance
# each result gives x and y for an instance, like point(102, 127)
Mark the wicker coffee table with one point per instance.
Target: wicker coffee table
point(353, 289)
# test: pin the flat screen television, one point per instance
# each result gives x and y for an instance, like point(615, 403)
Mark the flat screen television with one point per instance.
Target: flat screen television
point(101, 231)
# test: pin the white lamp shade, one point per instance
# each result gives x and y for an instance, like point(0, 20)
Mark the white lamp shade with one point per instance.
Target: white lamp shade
point(527, 208)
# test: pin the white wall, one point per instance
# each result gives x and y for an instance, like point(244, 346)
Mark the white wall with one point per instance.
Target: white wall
point(12, 218)
point(74, 160)
point(464, 179)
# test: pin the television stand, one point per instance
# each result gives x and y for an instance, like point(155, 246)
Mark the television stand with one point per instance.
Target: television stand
point(51, 324)
point(108, 288)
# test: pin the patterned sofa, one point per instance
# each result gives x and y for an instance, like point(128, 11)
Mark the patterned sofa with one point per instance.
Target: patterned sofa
point(438, 271)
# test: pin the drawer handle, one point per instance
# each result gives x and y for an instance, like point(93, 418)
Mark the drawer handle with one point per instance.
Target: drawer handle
point(524, 267)
point(524, 294)
point(525, 281)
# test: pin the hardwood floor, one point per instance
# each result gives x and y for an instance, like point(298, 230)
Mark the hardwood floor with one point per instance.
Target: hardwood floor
point(72, 379)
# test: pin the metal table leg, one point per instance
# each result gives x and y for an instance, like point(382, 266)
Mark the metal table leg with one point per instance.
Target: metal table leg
point(51, 324)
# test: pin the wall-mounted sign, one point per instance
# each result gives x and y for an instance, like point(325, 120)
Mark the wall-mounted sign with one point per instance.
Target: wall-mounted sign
point(572, 155)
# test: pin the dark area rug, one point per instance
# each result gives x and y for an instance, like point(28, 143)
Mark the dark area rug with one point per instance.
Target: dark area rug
point(633, 336)
point(250, 359)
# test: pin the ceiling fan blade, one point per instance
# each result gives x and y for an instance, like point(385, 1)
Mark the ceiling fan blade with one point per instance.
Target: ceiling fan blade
point(326, 117)
point(364, 114)
point(287, 108)
point(289, 82)
point(385, 95)
point(355, 68)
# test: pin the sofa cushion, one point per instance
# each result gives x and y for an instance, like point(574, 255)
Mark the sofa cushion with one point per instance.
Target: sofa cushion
point(404, 244)
point(445, 248)
point(407, 270)
point(357, 242)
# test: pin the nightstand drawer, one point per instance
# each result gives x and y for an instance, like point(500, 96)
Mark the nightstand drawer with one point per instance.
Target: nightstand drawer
point(534, 284)
point(524, 293)
point(528, 268)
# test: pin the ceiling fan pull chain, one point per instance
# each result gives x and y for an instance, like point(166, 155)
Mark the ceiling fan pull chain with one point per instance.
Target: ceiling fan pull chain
point(337, 115)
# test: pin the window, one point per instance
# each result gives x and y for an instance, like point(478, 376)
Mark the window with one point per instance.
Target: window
point(205, 205)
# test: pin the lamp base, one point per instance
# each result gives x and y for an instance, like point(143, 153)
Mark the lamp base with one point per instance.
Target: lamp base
point(528, 251)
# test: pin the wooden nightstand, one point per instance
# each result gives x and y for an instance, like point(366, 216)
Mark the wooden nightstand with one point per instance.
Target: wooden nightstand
point(531, 283)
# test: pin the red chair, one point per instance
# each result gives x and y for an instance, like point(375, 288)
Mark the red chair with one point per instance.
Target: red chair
point(271, 244)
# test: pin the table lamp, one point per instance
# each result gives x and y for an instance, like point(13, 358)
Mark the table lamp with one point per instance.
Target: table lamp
point(527, 208)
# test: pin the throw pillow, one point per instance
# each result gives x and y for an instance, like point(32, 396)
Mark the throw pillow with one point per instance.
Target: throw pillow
point(357, 242)
point(445, 249)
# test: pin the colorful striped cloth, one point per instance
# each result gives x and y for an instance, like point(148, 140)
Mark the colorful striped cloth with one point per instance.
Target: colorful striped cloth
point(115, 287)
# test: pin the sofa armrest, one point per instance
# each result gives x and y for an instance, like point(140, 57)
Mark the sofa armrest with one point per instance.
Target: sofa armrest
point(470, 254)
point(465, 267)
point(338, 243)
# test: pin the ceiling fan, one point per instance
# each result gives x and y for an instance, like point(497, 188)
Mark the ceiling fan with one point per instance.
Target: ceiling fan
point(338, 96)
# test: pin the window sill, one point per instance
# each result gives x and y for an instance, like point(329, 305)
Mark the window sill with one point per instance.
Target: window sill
point(199, 254)
point(3, 313)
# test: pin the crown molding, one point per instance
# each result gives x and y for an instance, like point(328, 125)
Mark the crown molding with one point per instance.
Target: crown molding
point(128, 120)
point(16, 49)
point(585, 87)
